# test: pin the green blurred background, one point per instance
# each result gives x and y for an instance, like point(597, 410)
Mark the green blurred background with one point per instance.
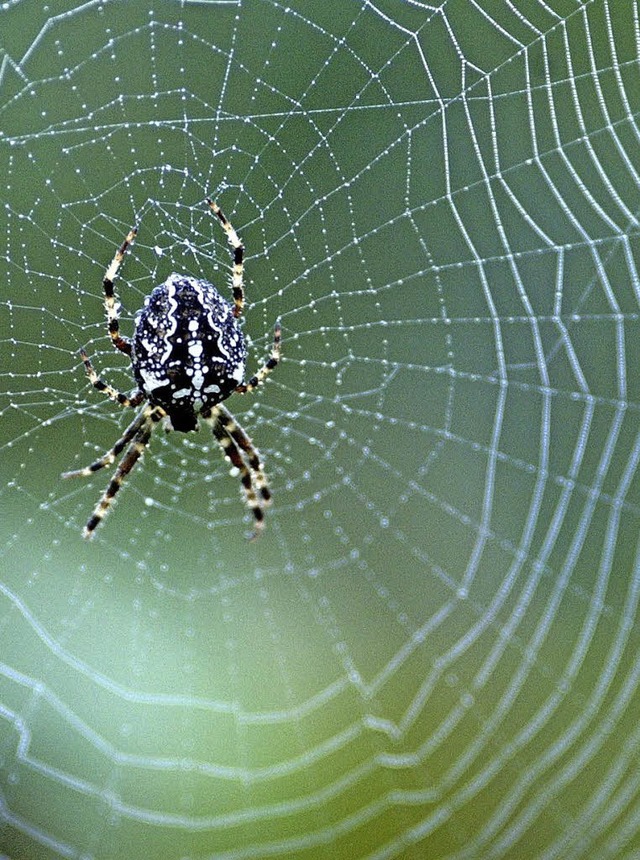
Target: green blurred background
point(433, 649)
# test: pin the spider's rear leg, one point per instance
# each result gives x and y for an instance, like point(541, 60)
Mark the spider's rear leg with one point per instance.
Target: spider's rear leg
point(110, 304)
point(269, 364)
point(238, 258)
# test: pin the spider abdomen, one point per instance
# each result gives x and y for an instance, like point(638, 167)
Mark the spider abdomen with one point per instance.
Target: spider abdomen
point(188, 352)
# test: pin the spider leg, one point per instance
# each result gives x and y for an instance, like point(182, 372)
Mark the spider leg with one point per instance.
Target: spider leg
point(238, 448)
point(132, 401)
point(111, 306)
point(244, 443)
point(150, 416)
point(108, 458)
point(268, 366)
point(238, 258)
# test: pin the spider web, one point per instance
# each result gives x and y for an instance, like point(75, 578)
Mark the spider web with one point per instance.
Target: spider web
point(433, 649)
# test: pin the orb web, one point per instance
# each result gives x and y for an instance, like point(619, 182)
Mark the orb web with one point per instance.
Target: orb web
point(432, 649)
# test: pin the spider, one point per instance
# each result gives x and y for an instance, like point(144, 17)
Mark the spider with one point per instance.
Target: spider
point(187, 355)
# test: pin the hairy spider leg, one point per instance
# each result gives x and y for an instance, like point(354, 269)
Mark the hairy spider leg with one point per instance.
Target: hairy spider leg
point(133, 453)
point(244, 443)
point(107, 459)
point(234, 441)
point(110, 303)
point(238, 258)
point(135, 399)
point(267, 367)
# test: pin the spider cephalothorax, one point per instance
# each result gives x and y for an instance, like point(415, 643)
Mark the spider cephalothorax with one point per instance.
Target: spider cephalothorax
point(187, 356)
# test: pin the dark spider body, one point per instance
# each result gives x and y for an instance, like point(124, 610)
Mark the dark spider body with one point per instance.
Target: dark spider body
point(188, 352)
point(187, 355)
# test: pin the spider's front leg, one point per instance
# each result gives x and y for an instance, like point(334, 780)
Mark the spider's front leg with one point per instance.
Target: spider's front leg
point(241, 453)
point(108, 458)
point(137, 435)
point(133, 454)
